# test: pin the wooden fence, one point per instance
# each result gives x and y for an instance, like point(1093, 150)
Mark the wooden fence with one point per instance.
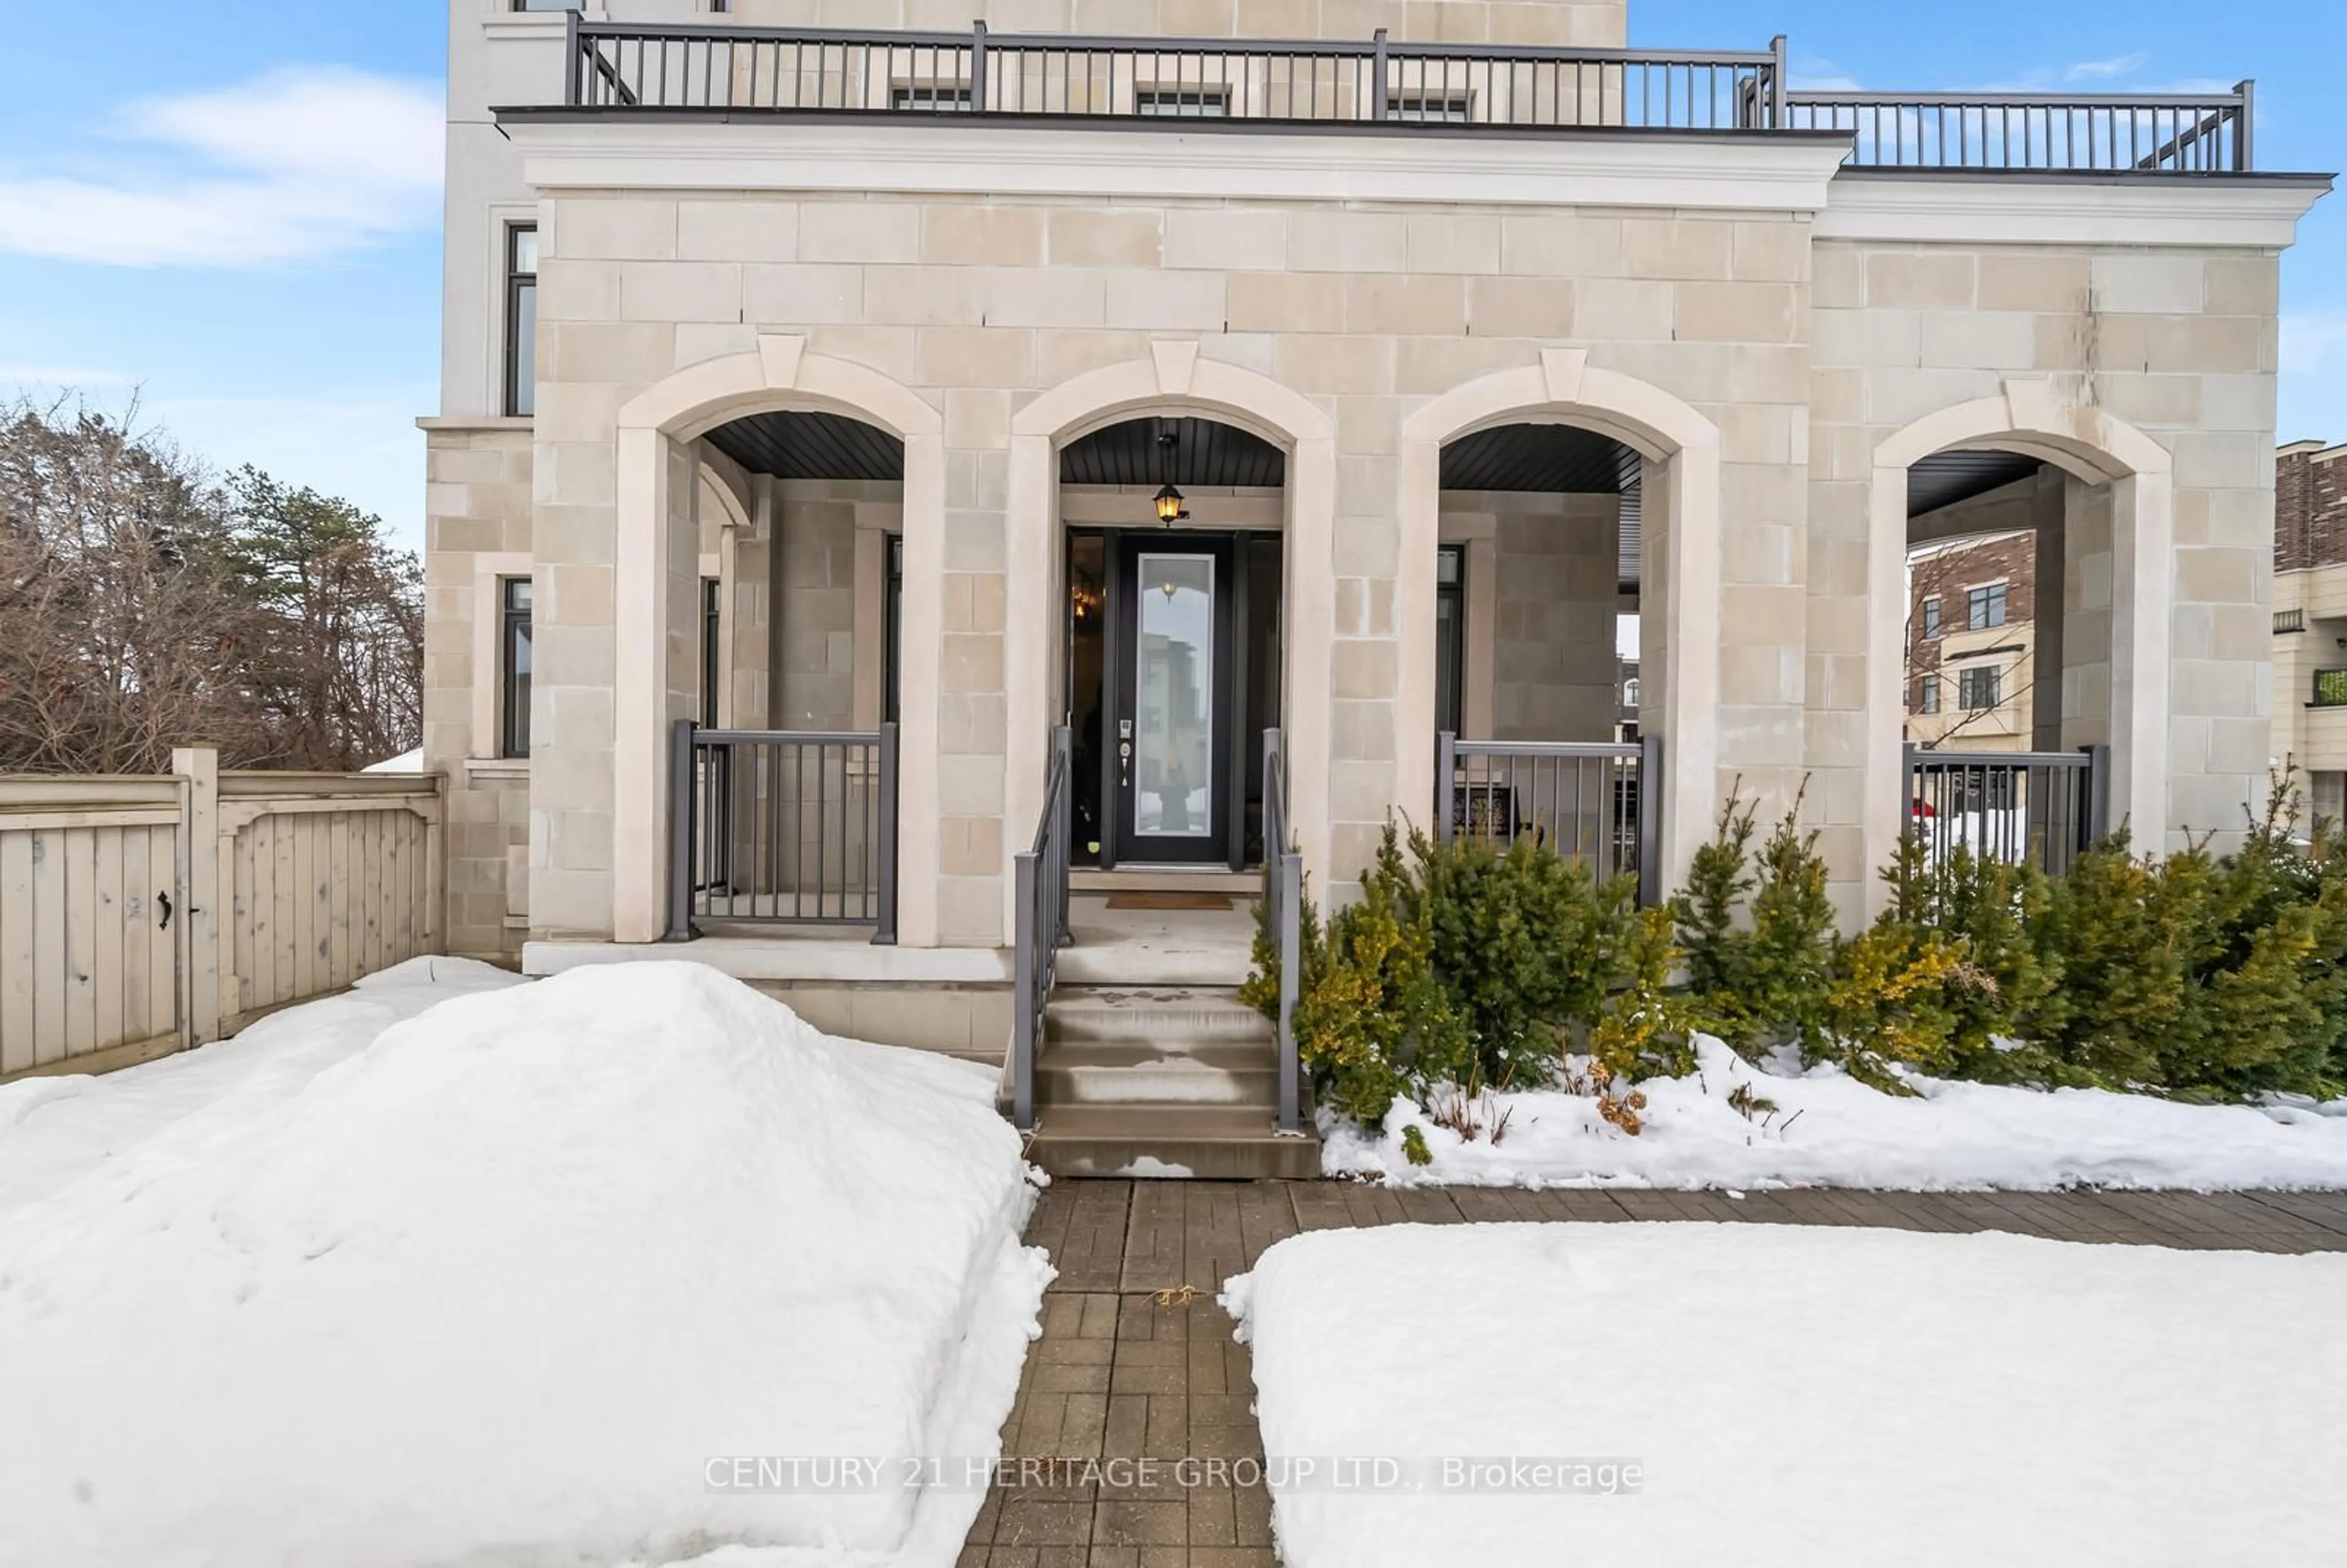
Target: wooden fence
point(139, 916)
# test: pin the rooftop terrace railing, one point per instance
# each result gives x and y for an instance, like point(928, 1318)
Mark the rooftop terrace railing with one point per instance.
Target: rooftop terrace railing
point(2167, 133)
point(1334, 83)
point(834, 71)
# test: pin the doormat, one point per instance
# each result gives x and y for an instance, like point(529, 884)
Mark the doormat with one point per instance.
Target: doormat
point(1168, 901)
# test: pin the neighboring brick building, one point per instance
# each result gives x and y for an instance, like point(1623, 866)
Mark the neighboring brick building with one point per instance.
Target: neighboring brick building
point(2310, 626)
point(1971, 643)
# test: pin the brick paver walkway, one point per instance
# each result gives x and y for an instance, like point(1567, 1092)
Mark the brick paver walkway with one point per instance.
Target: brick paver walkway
point(1118, 1375)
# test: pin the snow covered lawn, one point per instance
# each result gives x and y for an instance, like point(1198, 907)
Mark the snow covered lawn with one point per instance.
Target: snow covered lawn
point(1795, 1395)
point(1826, 1128)
point(513, 1283)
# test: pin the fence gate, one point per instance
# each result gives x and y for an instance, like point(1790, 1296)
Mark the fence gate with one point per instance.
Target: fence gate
point(141, 915)
point(94, 957)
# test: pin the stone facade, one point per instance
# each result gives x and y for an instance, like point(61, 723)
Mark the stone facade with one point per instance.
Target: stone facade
point(978, 305)
point(477, 529)
point(2181, 345)
point(1787, 335)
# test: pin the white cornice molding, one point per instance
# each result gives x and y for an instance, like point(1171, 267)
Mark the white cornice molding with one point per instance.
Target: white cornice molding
point(1711, 174)
point(2181, 210)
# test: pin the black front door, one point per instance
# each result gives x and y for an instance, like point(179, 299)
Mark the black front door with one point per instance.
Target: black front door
point(1170, 762)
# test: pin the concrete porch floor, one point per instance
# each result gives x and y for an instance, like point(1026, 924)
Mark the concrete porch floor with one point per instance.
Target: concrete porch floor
point(1118, 1375)
point(1157, 946)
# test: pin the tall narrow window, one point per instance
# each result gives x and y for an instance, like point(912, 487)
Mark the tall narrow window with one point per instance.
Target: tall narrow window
point(1930, 693)
point(1931, 617)
point(892, 616)
point(513, 667)
point(713, 629)
point(521, 319)
point(1450, 637)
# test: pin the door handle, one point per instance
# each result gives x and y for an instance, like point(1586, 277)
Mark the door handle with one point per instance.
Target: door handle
point(163, 902)
point(1124, 764)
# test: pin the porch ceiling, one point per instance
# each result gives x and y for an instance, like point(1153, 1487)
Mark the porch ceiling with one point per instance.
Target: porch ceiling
point(1550, 458)
point(1205, 453)
point(811, 447)
point(1944, 478)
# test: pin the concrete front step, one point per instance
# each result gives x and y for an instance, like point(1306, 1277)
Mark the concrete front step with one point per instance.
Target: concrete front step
point(1132, 1073)
point(1203, 1143)
point(1169, 1017)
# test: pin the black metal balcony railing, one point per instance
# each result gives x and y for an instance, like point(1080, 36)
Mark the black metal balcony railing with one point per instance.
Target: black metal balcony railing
point(2330, 689)
point(755, 71)
point(837, 71)
point(2182, 134)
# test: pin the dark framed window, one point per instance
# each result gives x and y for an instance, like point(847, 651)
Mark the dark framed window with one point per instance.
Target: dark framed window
point(893, 629)
point(1928, 694)
point(1932, 616)
point(521, 319)
point(1423, 109)
point(1450, 637)
point(1183, 103)
point(513, 666)
point(936, 99)
point(1984, 607)
point(1979, 688)
point(712, 631)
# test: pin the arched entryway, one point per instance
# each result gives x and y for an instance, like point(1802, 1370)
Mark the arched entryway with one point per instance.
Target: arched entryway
point(764, 415)
point(1088, 460)
point(2091, 497)
point(1552, 422)
point(1176, 560)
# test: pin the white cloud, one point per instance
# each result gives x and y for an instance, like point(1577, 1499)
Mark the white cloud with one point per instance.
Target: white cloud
point(2104, 70)
point(298, 164)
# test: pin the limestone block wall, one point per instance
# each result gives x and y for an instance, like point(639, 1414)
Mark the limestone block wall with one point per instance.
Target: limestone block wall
point(815, 639)
point(477, 526)
point(2180, 344)
point(1542, 637)
point(979, 305)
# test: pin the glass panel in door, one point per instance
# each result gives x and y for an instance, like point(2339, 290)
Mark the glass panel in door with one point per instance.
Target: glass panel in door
point(1173, 776)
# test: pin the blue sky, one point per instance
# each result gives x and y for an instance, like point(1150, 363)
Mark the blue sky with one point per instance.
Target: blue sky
point(231, 207)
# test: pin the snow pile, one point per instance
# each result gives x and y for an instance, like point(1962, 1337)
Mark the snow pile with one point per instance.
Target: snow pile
point(1764, 1394)
point(1829, 1130)
point(503, 1285)
point(52, 1129)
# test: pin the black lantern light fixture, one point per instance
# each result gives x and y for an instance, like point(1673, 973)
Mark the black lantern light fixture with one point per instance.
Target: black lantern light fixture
point(1170, 507)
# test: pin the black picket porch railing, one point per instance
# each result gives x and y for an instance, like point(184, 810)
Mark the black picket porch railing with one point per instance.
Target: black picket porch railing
point(783, 827)
point(2041, 806)
point(1585, 800)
